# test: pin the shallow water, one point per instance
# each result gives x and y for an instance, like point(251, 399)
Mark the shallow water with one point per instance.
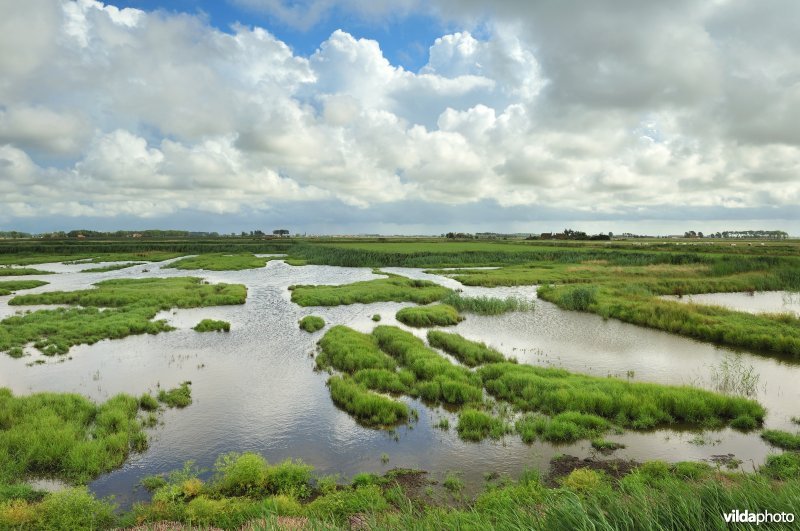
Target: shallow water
point(254, 388)
point(757, 302)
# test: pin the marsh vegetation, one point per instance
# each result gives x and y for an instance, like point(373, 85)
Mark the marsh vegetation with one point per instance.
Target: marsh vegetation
point(113, 310)
point(389, 377)
point(312, 323)
point(428, 316)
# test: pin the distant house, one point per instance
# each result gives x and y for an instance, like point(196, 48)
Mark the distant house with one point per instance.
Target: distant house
point(81, 236)
point(136, 235)
point(546, 236)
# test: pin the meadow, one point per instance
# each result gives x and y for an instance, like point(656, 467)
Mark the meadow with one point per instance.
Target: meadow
point(392, 289)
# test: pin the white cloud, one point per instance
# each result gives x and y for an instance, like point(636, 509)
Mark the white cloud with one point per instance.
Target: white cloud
point(601, 108)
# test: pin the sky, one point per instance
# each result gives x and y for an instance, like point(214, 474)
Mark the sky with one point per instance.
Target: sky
point(400, 117)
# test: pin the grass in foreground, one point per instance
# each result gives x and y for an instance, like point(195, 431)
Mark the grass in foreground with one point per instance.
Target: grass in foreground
point(392, 289)
point(221, 262)
point(115, 309)
point(212, 325)
point(246, 492)
point(7, 287)
point(65, 435)
point(470, 353)
point(312, 323)
point(427, 316)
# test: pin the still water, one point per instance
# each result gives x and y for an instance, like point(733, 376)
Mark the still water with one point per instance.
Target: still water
point(255, 388)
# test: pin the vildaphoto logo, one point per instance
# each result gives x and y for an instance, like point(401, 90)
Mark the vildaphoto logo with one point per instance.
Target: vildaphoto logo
point(764, 517)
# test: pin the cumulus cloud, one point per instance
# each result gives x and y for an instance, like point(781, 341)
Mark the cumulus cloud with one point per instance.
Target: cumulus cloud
point(602, 109)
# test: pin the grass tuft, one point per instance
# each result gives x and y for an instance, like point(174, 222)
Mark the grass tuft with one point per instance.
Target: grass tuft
point(470, 353)
point(212, 325)
point(427, 316)
point(312, 323)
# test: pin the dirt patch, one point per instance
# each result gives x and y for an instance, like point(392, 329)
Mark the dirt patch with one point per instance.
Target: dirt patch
point(564, 465)
point(413, 482)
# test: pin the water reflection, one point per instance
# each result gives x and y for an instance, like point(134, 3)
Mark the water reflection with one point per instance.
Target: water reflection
point(254, 388)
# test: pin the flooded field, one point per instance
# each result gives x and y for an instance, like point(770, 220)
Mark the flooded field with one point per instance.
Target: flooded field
point(255, 387)
point(755, 302)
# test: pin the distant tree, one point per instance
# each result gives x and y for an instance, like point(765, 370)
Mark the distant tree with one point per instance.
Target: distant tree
point(280, 232)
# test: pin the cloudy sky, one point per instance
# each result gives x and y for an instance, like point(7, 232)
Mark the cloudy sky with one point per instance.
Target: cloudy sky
point(404, 116)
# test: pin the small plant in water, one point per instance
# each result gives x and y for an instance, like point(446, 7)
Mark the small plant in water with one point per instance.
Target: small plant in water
point(733, 377)
point(384, 458)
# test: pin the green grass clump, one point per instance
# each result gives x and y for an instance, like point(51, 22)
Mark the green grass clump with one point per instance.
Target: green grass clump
point(470, 353)
point(392, 289)
point(474, 425)
point(578, 298)
point(782, 466)
point(65, 435)
point(438, 380)
point(221, 262)
point(376, 318)
point(21, 271)
point(426, 316)
point(744, 423)
point(606, 446)
point(631, 405)
point(111, 267)
point(115, 309)
point(73, 508)
point(249, 474)
point(483, 305)
point(367, 407)
point(158, 293)
point(179, 397)
point(782, 439)
point(347, 350)
point(565, 427)
point(312, 323)
point(212, 325)
point(147, 402)
point(8, 287)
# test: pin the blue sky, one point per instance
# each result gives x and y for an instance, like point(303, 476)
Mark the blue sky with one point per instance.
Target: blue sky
point(404, 39)
point(401, 116)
